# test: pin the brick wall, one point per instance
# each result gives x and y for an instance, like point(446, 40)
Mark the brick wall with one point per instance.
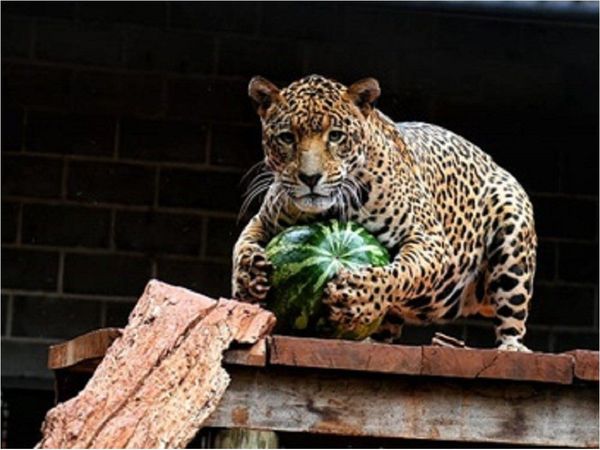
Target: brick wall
point(126, 130)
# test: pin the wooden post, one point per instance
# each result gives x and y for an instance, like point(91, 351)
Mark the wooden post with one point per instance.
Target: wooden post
point(245, 438)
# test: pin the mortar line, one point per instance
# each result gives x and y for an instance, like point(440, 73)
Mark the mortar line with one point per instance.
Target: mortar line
point(117, 138)
point(123, 207)
point(204, 237)
point(61, 272)
point(9, 315)
point(67, 295)
point(112, 227)
point(103, 314)
point(155, 200)
point(19, 236)
point(191, 166)
point(25, 125)
point(64, 179)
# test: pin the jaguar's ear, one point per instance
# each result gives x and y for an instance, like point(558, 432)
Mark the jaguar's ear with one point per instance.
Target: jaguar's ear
point(363, 94)
point(263, 94)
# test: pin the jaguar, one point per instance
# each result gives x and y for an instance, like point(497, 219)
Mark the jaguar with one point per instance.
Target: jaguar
point(459, 227)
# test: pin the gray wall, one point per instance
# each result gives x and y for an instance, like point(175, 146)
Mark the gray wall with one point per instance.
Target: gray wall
point(126, 129)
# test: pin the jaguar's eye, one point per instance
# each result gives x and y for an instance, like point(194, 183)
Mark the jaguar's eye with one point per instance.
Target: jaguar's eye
point(286, 137)
point(336, 136)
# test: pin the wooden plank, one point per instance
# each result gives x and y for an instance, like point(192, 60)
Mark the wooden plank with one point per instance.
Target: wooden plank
point(84, 353)
point(366, 404)
point(255, 355)
point(87, 346)
point(425, 360)
point(586, 364)
point(349, 355)
point(494, 364)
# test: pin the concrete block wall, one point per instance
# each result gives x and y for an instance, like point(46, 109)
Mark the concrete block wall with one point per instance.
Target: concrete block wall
point(126, 130)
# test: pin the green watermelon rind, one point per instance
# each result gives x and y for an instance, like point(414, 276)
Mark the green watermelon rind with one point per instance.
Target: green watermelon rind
point(303, 259)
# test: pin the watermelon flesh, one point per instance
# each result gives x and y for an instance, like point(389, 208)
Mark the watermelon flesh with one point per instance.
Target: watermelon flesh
point(305, 258)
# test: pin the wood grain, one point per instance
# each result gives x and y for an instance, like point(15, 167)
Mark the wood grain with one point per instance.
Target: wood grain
point(494, 364)
point(87, 346)
point(348, 355)
point(82, 353)
point(422, 360)
point(586, 364)
point(291, 399)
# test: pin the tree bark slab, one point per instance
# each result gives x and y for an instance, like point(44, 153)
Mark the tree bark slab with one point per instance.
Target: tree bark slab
point(162, 377)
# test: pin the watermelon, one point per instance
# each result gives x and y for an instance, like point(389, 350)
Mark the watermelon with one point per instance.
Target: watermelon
point(305, 258)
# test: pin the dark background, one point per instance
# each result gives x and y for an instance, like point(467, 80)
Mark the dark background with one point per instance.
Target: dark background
point(126, 129)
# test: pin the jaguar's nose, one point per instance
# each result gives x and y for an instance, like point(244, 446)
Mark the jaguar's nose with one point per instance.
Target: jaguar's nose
point(310, 180)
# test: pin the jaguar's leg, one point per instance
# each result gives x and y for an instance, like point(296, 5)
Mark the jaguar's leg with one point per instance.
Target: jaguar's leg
point(510, 282)
point(390, 329)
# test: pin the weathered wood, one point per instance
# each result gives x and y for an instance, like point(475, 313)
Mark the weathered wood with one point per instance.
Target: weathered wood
point(162, 377)
point(494, 364)
point(349, 355)
point(366, 404)
point(256, 355)
point(586, 364)
point(84, 353)
point(87, 346)
point(369, 357)
point(245, 438)
point(424, 360)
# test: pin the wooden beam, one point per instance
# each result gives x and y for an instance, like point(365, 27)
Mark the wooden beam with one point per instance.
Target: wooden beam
point(84, 352)
point(422, 360)
point(497, 365)
point(586, 364)
point(255, 355)
point(88, 346)
point(366, 404)
point(348, 355)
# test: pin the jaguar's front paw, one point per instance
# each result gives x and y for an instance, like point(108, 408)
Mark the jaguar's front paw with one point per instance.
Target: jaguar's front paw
point(355, 306)
point(513, 346)
point(251, 275)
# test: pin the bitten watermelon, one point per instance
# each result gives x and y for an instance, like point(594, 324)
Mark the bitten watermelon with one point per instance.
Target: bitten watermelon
point(304, 259)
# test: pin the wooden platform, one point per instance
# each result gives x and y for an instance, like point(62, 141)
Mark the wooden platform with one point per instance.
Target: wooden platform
point(412, 392)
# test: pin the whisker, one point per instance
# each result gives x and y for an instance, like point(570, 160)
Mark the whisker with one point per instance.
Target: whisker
point(251, 194)
point(260, 183)
point(259, 178)
point(253, 168)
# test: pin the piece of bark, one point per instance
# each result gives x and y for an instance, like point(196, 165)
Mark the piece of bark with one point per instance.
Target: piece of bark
point(162, 377)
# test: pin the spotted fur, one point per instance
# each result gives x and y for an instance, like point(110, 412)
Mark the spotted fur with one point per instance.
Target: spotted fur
point(459, 227)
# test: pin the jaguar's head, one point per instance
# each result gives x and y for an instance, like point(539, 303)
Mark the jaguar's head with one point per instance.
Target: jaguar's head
point(314, 136)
